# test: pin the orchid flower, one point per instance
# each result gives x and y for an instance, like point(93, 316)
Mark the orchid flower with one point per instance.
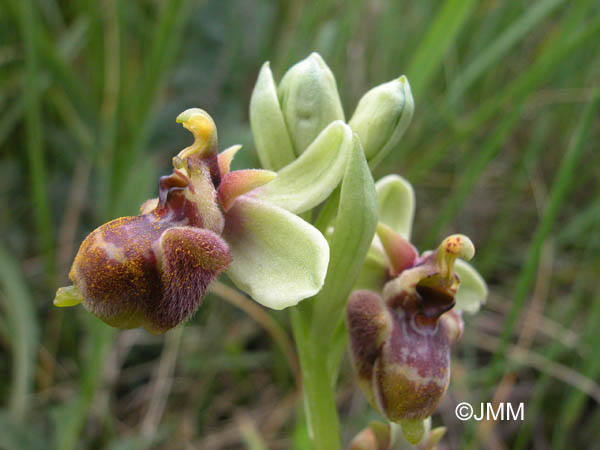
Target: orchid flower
point(153, 270)
point(406, 312)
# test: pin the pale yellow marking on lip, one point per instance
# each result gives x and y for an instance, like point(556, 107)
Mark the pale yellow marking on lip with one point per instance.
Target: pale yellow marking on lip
point(113, 252)
point(412, 375)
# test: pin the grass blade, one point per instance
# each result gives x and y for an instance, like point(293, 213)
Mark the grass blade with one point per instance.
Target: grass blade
point(441, 35)
point(560, 189)
point(469, 177)
point(23, 331)
point(495, 51)
point(35, 140)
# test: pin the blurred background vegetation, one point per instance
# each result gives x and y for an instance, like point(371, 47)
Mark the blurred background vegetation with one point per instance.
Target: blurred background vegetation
point(502, 148)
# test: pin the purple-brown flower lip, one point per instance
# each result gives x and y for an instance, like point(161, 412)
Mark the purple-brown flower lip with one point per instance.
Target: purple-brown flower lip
point(400, 338)
point(152, 270)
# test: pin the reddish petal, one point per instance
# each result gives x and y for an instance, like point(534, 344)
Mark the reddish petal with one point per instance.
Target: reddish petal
point(225, 158)
point(239, 182)
point(400, 252)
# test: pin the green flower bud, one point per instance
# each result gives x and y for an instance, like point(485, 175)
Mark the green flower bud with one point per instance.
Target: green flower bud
point(390, 436)
point(309, 100)
point(382, 116)
point(377, 436)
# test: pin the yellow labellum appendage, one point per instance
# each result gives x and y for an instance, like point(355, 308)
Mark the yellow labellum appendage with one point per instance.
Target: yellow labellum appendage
point(67, 296)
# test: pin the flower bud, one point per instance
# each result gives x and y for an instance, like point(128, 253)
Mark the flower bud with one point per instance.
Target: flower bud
point(382, 116)
point(387, 436)
point(377, 436)
point(309, 100)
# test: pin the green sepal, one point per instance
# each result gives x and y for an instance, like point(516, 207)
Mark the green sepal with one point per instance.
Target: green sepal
point(273, 143)
point(310, 179)
point(402, 124)
point(382, 115)
point(472, 291)
point(278, 258)
point(396, 201)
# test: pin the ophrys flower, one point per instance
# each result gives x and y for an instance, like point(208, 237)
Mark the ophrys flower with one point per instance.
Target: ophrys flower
point(152, 270)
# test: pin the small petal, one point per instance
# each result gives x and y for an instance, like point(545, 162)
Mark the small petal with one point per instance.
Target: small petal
point(400, 252)
point(396, 200)
point(309, 100)
point(310, 179)
point(225, 158)
point(239, 182)
point(68, 296)
point(278, 258)
point(273, 143)
point(472, 291)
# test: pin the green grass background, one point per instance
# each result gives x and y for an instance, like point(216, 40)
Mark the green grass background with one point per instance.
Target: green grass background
point(503, 147)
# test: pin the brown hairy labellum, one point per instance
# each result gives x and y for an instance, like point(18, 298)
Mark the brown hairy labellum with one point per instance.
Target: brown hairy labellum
point(402, 357)
point(152, 270)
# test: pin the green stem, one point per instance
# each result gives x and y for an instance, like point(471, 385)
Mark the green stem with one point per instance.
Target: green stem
point(316, 322)
point(319, 392)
